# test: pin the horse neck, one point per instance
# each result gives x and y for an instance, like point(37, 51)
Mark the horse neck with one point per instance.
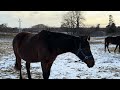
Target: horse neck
point(75, 46)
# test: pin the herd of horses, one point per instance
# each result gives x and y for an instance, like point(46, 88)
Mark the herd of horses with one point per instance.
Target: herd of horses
point(45, 46)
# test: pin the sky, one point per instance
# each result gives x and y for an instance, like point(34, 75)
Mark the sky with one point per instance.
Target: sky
point(54, 18)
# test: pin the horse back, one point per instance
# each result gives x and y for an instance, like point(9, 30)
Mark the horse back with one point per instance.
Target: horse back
point(31, 47)
point(21, 45)
point(112, 40)
point(19, 38)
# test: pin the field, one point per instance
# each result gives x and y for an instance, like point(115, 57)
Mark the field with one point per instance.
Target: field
point(66, 66)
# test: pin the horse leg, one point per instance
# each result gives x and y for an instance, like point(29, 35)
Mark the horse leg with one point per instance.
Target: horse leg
point(28, 70)
point(18, 64)
point(19, 67)
point(119, 47)
point(46, 67)
point(105, 46)
point(20, 74)
point(116, 48)
point(108, 47)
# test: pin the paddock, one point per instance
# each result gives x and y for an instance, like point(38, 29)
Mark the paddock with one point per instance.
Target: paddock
point(67, 65)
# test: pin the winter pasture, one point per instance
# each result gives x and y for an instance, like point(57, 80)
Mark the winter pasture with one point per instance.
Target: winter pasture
point(67, 65)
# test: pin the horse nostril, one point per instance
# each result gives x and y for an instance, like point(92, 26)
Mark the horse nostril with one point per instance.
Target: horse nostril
point(90, 64)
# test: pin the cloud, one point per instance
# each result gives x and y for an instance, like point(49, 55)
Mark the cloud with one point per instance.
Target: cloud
point(54, 18)
point(101, 17)
point(29, 18)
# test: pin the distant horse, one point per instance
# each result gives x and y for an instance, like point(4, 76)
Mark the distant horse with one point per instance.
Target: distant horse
point(45, 46)
point(112, 40)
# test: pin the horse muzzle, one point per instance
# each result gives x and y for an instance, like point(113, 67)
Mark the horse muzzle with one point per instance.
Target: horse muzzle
point(90, 63)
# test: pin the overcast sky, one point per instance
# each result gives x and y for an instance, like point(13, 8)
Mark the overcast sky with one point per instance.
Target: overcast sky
point(54, 18)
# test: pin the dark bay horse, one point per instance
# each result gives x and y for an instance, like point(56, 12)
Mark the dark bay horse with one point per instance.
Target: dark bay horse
point(45, 46)
point(112, 40)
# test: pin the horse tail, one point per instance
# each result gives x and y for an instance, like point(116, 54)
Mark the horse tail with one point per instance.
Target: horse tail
point(15, 49)
point(16, 45)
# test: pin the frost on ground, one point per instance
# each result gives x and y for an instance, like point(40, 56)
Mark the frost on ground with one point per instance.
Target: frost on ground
point(67, 65)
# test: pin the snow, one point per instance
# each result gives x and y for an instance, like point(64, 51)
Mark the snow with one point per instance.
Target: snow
point(68, 65)
point(107, 66)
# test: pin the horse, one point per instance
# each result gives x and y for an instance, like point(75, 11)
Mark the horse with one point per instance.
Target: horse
point(112, 40)
point(45, 46)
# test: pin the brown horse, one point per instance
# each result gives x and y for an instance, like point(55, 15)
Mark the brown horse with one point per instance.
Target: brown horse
point(112, 40)
point(45, 46)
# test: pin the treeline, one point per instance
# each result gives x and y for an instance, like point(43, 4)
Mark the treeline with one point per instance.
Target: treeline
point(71, 31)
point(14, 30)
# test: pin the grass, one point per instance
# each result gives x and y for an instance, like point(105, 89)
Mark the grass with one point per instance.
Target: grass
point(7, 35)
point(5, 46)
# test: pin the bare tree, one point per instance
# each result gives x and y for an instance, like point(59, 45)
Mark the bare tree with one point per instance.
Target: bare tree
point(4, 25)
point(98, 27)
point(111, 28)
point(73, 19)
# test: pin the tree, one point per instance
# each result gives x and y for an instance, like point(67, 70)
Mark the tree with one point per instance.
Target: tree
point(111, 28)
point(4, 25)
point(98, 27)
point(73, 19)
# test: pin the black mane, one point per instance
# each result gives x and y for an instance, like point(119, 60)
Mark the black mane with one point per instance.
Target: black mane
point(60, 41)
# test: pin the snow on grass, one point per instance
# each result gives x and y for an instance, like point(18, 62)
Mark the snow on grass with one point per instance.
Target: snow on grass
point(68, 66)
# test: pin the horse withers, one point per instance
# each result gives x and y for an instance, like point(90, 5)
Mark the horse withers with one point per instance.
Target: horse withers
point(45, 46)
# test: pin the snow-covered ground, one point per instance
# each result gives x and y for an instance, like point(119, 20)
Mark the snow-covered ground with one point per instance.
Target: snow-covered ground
point(68, 66)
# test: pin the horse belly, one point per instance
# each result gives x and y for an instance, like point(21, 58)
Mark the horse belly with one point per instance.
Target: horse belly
point(29, 55)
point(30, 58)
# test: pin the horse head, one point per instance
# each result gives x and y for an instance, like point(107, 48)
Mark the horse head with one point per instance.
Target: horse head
point(84, 52)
